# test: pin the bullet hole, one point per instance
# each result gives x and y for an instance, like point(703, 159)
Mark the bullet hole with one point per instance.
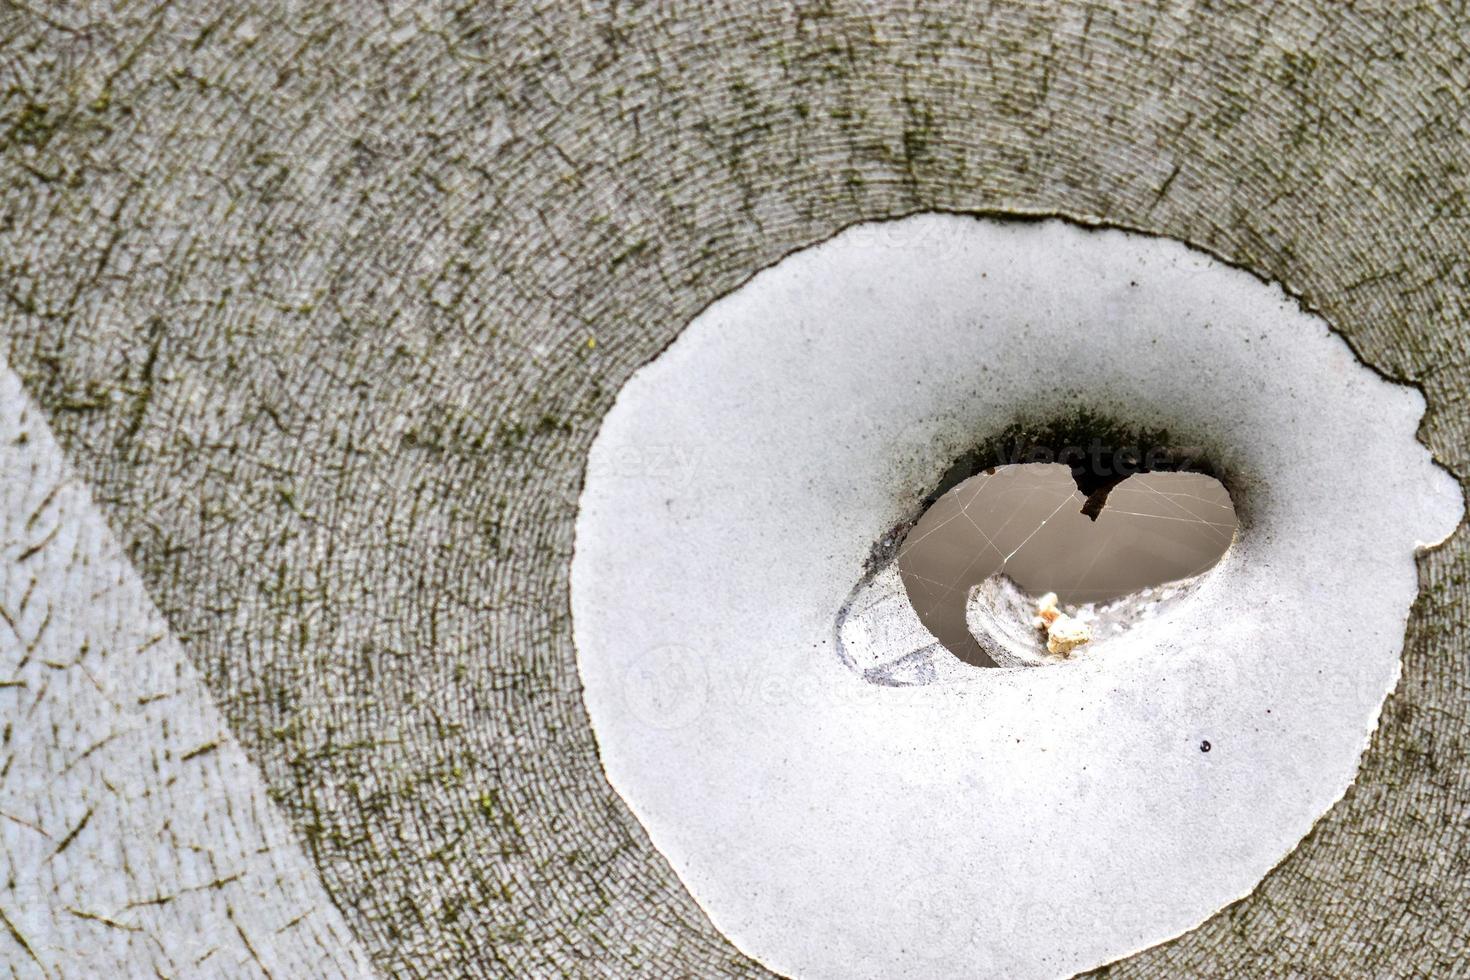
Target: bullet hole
point(1085, 510)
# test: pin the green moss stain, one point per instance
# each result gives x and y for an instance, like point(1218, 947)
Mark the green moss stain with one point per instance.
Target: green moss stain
point(32, 125)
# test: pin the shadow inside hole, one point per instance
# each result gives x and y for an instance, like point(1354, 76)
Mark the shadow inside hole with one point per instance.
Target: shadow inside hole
point(1032, 522)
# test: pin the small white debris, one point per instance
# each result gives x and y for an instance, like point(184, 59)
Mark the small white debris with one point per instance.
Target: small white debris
point(1046, 611)
point(1066, 634)
point(1063, 633)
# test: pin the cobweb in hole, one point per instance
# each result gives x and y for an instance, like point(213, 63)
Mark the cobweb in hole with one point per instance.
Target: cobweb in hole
point(1027, 520)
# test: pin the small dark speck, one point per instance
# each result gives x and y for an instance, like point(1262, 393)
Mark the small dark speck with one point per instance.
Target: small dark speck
point(1204, 746)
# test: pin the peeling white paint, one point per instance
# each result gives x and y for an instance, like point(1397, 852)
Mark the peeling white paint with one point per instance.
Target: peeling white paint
point(879, 636)
point(1003, 619)
point(1023, 823)
point(138, 839)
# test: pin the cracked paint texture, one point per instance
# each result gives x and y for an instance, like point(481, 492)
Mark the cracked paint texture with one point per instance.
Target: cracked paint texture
point(324, 303)
point(137, 835)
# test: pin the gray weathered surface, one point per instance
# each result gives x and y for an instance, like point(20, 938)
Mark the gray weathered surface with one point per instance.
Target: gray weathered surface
point(137, 836)
point(326, 304)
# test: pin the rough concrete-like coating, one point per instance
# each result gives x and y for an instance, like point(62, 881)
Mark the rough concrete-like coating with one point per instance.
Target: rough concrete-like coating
point(309, 297)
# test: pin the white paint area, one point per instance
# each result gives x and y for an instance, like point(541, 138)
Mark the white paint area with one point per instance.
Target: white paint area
point(138, 839)
point(1010, 822)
